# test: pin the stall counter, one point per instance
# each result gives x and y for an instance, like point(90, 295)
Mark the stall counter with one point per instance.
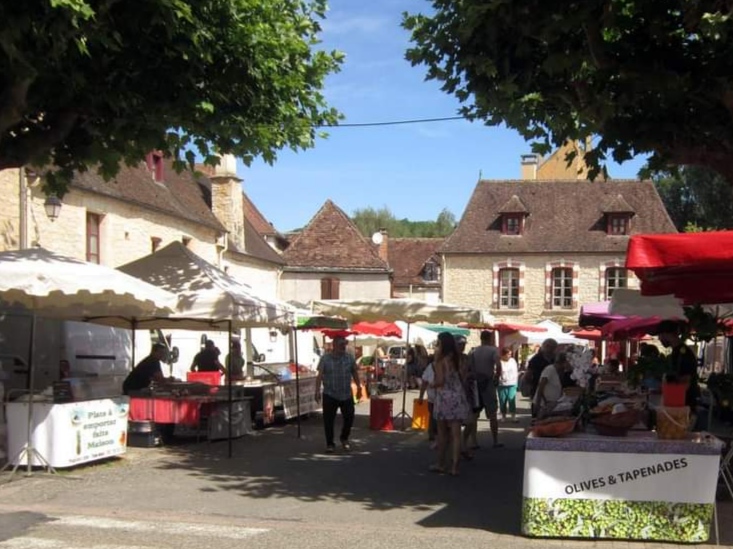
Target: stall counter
point(68, 434)
point(636, 487)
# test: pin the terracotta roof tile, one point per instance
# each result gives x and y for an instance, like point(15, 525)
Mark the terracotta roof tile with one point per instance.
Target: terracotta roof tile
point(257, 247)
point(563, 216)
point(256, 219)
point(616, 204)
point(180, 195)
point(513, 205)
point(331, 240)
point(408, 256)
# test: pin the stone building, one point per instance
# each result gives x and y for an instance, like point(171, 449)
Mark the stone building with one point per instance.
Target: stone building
point(331, 259)
point(417, 267)
point(143, 208)
point(531, 250)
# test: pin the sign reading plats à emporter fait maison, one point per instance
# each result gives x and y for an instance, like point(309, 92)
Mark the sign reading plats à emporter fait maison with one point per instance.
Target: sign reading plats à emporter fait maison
point(624, 476)
point(99, 429)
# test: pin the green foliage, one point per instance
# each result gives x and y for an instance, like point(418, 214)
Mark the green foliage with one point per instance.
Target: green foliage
point(93, 83)
point(644, 77)
point(369, 220)
point(696, 198)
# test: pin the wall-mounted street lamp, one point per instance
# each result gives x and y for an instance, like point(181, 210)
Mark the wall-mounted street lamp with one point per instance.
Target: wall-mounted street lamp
point(52, 205)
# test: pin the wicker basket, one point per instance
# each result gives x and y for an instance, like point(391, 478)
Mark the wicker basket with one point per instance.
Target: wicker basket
point(673, 423)
point(616, 425)
point(554, 427)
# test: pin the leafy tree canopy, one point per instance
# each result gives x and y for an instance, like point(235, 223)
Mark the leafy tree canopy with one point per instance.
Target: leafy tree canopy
point(644, 77)
point(93, 83)
point(370, 220)
point(697, 199)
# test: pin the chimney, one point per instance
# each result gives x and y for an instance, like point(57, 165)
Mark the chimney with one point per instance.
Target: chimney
point(530, 163)
point(227, 199)
point(383, 246)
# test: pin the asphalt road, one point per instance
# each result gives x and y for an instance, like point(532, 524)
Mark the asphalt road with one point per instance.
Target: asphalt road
point(282, 491)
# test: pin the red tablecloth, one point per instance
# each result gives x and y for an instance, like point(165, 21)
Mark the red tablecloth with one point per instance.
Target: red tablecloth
point(181, 410)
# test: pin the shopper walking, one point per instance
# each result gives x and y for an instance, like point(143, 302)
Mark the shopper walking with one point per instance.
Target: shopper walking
point(336, 371)
point(485, 362)
point(451, 405)
point(508, 385)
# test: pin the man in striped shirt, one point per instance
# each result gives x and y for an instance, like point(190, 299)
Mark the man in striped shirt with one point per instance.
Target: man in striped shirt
point(336, 371)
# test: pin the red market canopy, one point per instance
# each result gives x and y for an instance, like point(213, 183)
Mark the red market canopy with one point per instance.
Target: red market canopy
point(587, 334)
point(504, 327)
point(695, 267)
point(631, 328)
point(378, 328)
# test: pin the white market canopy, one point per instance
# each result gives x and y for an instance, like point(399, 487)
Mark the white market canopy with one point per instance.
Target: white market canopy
point(56, 286)
point(627, 302)
point(408, 310)
point(554, 331)
point(206, 294)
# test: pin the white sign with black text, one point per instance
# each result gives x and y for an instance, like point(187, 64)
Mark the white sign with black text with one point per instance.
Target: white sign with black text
point(632, 477)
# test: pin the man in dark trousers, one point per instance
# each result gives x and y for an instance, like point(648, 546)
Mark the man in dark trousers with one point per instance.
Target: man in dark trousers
point(147, 371)
point(484, 362)
point(538, 362)
point(336, 371)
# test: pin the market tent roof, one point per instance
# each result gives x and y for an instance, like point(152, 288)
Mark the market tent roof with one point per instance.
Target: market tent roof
point(52, 285)
point(409, 310)
point(206, 294)
point(628, 302)
point(553, 331)
point(453, 330)
point(631, 328)
point(596, 314)
point(695, 267)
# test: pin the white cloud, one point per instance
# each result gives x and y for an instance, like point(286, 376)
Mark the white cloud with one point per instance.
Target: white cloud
point(350, 25)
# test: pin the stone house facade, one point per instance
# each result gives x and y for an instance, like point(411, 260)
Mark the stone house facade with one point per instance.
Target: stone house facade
point(532, 250)
point(143, 208)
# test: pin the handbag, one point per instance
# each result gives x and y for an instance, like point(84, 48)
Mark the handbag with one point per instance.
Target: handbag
point(525, 384)
point(474, 397)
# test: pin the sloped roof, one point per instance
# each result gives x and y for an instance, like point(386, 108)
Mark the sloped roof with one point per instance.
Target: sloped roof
point(332, 241)
point(180, 195)
point(513, 205)
point(258, 221)
point(616, 204)
point(407, 257)
point(255, 245)
point(563, 216)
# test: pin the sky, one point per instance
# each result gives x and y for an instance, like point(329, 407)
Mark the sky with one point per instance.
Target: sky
point(415, 170)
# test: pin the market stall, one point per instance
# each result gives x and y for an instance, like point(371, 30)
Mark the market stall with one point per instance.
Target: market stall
point(636, 487)
point(79, 421)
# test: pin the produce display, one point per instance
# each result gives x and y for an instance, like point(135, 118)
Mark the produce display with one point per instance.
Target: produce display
point(599, 518)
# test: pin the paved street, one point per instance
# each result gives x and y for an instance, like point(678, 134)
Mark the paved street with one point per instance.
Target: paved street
point(278, 491)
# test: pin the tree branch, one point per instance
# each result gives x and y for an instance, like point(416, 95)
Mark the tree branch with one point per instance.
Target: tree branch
point(12, 103)
point(29, 145)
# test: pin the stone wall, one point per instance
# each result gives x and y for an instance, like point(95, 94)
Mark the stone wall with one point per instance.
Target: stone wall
point(304, 287)
point(470, 280)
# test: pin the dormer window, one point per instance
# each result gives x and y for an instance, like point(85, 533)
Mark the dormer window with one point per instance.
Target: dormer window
point(617, 224)
point(154, 160)
point(430, 272)
point(513, 213)
point(511, 224)
point(618, 213)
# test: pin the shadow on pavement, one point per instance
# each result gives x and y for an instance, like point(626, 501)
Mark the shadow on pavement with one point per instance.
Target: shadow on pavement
point(384, 471)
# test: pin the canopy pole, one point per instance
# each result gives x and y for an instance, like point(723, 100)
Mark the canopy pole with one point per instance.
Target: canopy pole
point(293, 339)
point(229, 387)
point(403, 414)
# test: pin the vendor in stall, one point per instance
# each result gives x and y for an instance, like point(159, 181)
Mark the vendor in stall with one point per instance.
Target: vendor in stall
point(550, 386)
point(235, 361)
point(207, 360)
point(684, 362)
point(147, 371)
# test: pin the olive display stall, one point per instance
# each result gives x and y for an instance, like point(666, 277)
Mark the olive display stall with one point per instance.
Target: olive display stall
point(635, 487)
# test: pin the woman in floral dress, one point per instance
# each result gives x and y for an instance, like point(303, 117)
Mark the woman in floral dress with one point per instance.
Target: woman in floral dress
point(451, 405)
